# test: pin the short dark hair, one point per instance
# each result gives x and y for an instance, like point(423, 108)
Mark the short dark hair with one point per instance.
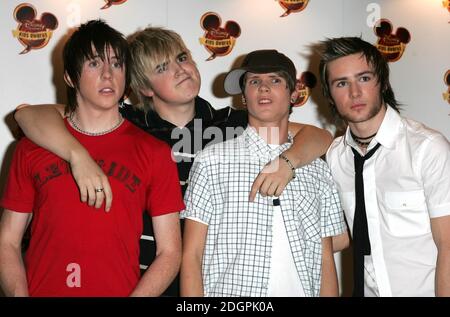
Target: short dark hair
point(90, 39)
point(343, 46)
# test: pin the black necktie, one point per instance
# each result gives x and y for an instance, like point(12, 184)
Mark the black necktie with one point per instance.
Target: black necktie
point(361, 242)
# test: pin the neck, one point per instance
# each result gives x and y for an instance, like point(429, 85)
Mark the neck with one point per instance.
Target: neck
point(178, 115)
point(92, 122)
point(275, 133)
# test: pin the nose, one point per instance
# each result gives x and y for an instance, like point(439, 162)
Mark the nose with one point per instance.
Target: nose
point(355, 90)
point(178, 69)
point(264, 86)
point(106, 71)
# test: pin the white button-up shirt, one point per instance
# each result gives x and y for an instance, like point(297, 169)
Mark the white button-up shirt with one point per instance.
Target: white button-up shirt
point(238, 249)
point(406, 183)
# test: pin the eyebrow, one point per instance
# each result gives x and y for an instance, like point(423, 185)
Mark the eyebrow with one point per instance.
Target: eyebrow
point(181, 54)
point(258, 76)
point(366, 72)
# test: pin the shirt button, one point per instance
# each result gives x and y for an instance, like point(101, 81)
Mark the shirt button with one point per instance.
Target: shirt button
point(264, 285)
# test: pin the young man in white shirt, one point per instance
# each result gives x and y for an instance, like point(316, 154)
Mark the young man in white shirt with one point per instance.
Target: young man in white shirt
point(392, 175)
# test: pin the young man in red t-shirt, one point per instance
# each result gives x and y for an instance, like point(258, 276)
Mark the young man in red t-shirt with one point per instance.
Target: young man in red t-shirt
point(75, 250)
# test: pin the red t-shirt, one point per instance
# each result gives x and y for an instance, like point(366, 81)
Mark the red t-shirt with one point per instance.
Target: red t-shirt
point(77, 250)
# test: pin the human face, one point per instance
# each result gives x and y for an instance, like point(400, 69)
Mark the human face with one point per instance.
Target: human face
point(268, 99)
point(102, 83)
point(174, 82)
point(355, 90)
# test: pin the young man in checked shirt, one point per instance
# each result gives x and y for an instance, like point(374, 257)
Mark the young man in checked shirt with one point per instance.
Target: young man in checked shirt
point(266, 246)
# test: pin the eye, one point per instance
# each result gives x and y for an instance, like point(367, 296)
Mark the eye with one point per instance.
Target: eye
point(161, 68)
point(93, 63)
point(276, 80)
point(365, 78)
point(182, 58)
point(253, 82)
point(117, 64)
point(340, 84)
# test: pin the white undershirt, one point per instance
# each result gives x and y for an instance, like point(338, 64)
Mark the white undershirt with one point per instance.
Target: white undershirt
point(283, 278)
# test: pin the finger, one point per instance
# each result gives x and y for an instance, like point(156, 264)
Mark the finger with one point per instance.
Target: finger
point(255, 187)
point(108, 195)
point(280, 189)
point(91, 195)
point(83, 194)
point(272, 189)
point(264, 188)
point(99, 197)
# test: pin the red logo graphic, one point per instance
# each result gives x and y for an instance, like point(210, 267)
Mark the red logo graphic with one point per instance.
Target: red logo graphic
point(303, 86)
point(391, 45)
point(217, 40)
point(112, 2)
point(292, 6)
point(33, 33)
point(447, 82)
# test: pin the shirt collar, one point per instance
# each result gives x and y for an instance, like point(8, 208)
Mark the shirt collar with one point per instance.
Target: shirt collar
point(387, 133)
point(259, 146)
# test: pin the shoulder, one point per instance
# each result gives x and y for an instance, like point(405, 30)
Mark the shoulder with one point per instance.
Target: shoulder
point(420, 135)
point(144, 139)
point(222, 149)
point(336, 148)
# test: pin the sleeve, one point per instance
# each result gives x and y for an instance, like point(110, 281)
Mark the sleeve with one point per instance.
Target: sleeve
point(331, 213)
point(198, 196)
point(19, 192)
point(164, 193)
point(435, 171)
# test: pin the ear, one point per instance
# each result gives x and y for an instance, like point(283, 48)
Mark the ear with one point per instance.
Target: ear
point(68, 80)
point(294, 97)
point(148, 92)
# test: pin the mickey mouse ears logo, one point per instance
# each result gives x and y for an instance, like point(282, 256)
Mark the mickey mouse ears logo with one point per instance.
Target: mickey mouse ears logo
point(292, 6)
point(446, 95)
point(303, 86)
point(218, 40)
point(446, 4)
point(31, 32)
point(112, 2)
point(390, 44)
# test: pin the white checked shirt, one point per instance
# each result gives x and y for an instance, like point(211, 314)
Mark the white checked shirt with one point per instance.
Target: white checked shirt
point(237, 255)
point(406, 183)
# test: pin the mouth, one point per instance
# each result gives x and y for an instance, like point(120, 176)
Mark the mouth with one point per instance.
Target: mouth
point(358, 106)
point(106, 91)
point(183, 80)
point(264, 101)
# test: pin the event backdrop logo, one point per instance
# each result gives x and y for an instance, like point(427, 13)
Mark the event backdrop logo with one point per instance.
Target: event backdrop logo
point(112, 2)
point(447, 82)
point(219, 41)
point(292, 6)
point(390, 44)
point(31, 32)
point(446, 4)
point(303, 86)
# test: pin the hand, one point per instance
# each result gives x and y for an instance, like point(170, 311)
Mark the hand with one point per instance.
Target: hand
point(89, 177)
point(272, 179)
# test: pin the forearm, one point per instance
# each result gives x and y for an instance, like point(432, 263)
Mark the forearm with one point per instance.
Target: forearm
point(13, 280)
point(309, 144)
point(44, 125)
point(191, 281)
point(443, 273)
point(159, 274)
point(329, 283)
